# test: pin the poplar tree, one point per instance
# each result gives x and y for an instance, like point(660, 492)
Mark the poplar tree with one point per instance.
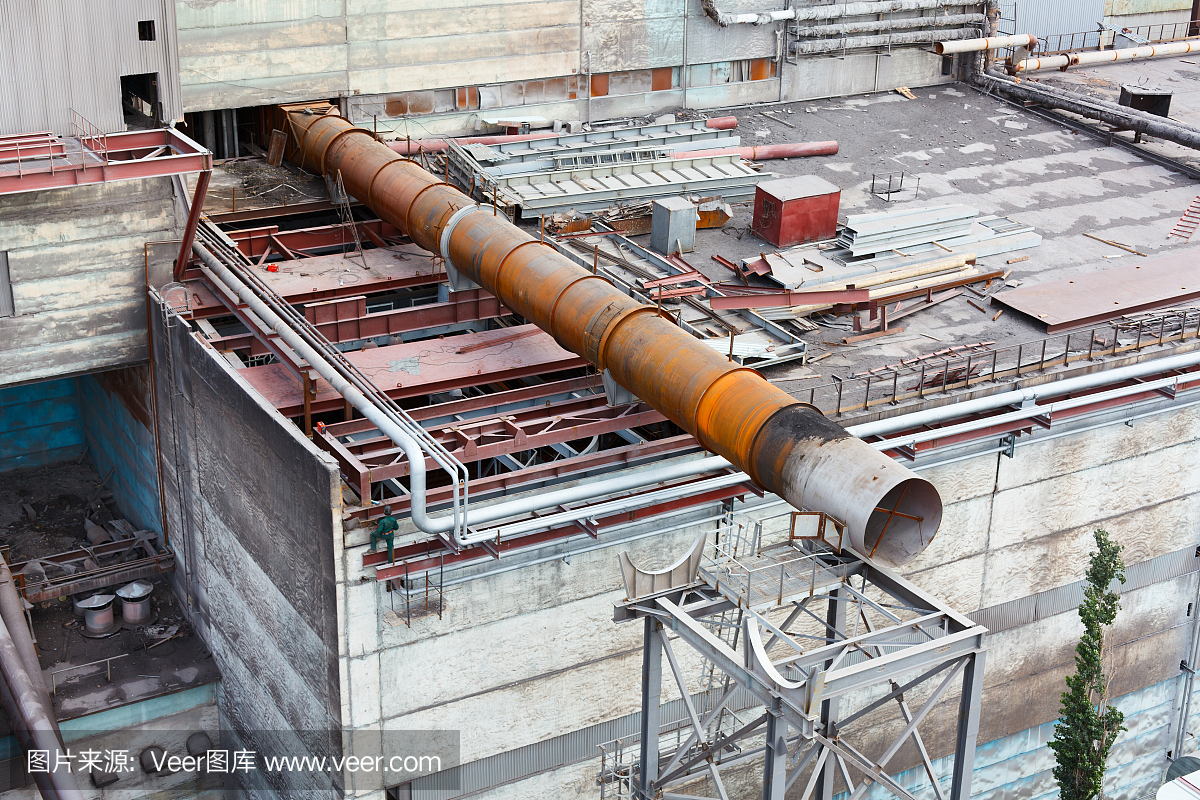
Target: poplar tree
point(1087, 725)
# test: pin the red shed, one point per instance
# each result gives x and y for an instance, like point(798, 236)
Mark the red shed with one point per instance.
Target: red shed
point(793, 210)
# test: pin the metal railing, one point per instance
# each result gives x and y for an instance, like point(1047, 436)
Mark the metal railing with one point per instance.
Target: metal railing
point(1164, 32)
point(1070, 42)
point(91, 138)
point(961, 367)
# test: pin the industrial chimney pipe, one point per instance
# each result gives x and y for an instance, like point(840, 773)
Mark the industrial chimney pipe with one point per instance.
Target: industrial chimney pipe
point(785, 446)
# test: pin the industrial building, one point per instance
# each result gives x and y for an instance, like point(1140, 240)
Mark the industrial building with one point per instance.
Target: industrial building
point(745, 383)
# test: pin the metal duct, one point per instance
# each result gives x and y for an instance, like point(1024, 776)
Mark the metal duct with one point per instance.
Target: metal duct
point(814, 46)
point(1111, 113)
point(785, 446)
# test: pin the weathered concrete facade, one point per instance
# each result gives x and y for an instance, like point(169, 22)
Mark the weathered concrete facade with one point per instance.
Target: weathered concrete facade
point(253, 513)
point(533, 652)
point(77, 260)
point(596, 59)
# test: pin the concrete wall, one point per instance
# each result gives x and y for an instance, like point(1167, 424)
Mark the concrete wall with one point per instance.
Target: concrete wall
point(252, 518)
point(118, 421)
point(40, 424)
point(521, 658)
point(399, 66)
point(77, 264)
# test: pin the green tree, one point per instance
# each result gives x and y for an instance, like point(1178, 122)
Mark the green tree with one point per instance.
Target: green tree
point(1088, 726)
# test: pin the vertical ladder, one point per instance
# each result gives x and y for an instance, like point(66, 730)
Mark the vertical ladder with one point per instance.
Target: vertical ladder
point(1188, 222)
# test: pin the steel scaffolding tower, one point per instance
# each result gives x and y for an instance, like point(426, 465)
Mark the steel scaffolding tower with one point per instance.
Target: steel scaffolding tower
point(808, 651)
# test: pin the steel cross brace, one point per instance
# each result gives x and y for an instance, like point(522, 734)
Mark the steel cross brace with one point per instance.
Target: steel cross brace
point(938, 643)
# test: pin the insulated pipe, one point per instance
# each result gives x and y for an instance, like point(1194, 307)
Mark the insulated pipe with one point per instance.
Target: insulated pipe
point(767, 152)
point(1111, 113)
point(785, 446)
point(812, 46)
point(407, 147)
point(819, 12)
point(1027, 40)
point(1106, 56)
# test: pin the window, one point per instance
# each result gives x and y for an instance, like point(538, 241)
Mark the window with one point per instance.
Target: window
point(146, 30)
point(6, 294)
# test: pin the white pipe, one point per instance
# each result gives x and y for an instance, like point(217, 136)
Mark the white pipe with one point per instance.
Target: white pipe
point(615, 506)
point(416, 456)
point(978, 45)
point(1027, 395)
point(1107, 56)
point(1024, 414)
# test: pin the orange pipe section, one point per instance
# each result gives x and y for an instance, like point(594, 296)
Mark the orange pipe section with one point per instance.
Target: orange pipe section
point(767, 152)
point(731, 410)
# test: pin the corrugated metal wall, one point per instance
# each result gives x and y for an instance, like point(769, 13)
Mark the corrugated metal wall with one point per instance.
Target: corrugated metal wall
point(1043, 18)
point(59, 55)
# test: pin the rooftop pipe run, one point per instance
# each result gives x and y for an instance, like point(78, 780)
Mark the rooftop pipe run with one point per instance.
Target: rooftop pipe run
point(1111, 113)
point(819, 12)
point(1107, 56)
point(785, 446)
point(767, 152)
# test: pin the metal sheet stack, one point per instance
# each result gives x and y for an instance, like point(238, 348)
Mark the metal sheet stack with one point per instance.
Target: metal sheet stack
point(591, 171)
point(868, 234)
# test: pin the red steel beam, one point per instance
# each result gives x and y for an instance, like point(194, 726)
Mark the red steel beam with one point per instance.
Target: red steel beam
point(189, 232)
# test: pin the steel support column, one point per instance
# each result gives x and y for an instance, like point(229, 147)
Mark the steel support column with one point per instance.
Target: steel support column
point(189, 233)
point(835, 624)
point(968, 726)
point(651, 696)
point(775, 765)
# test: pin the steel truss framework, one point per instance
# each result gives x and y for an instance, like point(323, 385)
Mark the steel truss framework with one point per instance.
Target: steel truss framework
point(809, 653)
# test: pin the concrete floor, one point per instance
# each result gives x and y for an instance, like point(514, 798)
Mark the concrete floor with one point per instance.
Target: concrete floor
point(971, 149)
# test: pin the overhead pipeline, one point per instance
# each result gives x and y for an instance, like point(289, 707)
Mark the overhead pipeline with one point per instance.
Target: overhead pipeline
point(785, 446)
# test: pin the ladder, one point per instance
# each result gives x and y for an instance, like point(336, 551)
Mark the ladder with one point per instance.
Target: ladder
point(1188, 222)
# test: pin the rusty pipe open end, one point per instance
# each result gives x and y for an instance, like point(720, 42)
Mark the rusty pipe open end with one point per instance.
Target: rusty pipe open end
point(891, 515)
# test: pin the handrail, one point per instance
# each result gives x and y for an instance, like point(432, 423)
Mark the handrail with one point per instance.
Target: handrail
point(894, 383)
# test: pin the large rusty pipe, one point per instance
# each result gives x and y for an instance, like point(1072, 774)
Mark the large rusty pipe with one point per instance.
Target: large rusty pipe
point(785, 446)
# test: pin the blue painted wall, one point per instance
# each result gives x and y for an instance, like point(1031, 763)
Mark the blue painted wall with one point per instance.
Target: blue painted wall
point(40, 423)
point(121, 443)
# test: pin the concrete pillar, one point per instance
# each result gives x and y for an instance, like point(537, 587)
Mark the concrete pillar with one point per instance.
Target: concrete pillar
point(208, 130)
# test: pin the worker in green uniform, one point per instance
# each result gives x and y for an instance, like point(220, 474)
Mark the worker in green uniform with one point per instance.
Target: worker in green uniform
point(386, 530)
